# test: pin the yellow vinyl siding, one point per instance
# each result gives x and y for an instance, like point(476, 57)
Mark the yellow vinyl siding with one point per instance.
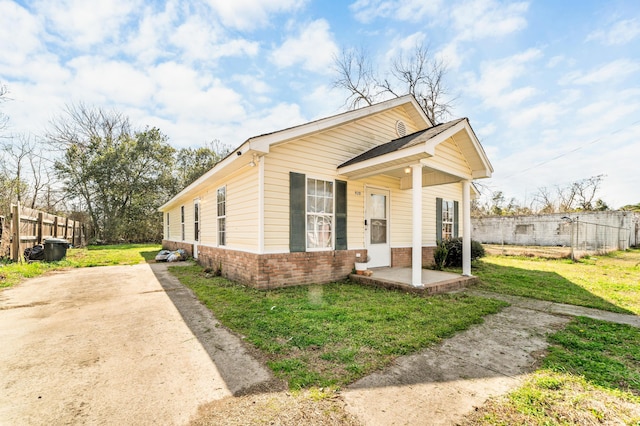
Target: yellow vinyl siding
point(241, 215)
point(318, 156)
point(449, 158)
point(355, 214)
point(242, 210)
point(174, 224)
point(452, 192)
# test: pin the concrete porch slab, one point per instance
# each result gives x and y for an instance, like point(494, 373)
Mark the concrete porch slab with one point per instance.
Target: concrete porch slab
point(433, 282)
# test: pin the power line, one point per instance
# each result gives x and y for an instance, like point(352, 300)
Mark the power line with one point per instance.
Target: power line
point(571, 151)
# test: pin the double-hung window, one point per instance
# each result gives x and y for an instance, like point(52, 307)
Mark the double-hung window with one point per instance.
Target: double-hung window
point(319, 214)
point(182, 221)
point(448, 216)
point(196, 220)
point(222, 215)
point(447, 223)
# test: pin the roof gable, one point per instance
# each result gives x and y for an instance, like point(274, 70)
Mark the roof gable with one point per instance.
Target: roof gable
point(403, 142)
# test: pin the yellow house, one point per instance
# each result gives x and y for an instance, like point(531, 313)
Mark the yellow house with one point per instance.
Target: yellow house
point(301, 205)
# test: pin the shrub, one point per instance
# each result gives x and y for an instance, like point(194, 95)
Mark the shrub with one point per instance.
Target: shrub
point(454, 249)
point(440, 256)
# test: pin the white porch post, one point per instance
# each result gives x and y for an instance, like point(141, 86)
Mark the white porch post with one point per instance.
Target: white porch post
point(466, 230)
point(416, 252)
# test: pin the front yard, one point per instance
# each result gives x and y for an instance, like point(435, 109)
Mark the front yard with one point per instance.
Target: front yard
point(331, 335)
point(591, 374)
point(609, 282)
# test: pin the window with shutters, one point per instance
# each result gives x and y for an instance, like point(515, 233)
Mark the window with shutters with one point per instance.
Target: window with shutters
point(319, 214)
point(168, 227)
point(447, 219)
point(222, 216)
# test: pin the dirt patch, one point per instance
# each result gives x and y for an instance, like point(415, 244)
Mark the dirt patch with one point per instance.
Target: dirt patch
point(280, 408)
point(545, 252)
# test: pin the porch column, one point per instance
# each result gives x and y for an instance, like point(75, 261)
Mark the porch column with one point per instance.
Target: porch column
point(466, 228)
point(416, 252)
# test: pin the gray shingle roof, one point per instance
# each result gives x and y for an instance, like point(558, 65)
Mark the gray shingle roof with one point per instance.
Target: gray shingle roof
point(420, 136)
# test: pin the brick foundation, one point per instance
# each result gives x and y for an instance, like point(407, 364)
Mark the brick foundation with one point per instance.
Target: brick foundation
point(265, 271)
point(401, 256)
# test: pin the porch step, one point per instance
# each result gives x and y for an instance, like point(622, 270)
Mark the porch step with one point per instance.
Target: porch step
point(451, 283)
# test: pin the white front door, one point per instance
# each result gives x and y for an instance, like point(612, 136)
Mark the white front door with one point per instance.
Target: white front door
point(377, 227)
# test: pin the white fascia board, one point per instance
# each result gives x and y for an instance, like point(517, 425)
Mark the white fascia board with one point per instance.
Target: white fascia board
point(222, 165)
point(464, 124)
point(479, 149)
point(392, 156)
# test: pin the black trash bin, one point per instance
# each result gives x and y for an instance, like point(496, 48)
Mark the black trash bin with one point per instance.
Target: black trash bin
point(55, 249)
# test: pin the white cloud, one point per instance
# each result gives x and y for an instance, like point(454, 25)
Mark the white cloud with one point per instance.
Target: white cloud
point(83, 24)
point(200, 40)
point(19, 36)
point(543, 113)
point(402, 10)
point(251, 14)
point(313, 48)
point(109, 82)
point(497, 77)
point(252, 83)
point(607, 73)
point(620, 32)
point(183, 92)
point(451, 55)
point(147, 44)
point(476, 19)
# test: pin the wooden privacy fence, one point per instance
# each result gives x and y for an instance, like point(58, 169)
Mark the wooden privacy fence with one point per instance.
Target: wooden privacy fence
point(28, 227)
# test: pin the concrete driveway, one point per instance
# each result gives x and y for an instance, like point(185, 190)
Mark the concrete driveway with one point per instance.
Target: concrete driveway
point(108, 345)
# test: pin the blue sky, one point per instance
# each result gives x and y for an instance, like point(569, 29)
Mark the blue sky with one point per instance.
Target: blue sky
point(552, 88)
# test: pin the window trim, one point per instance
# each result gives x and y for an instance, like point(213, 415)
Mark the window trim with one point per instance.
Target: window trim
point(331, 215)
point(182, 221)
point(168, 227)
point(221, 233)
point(196, 220)
point(448, 218)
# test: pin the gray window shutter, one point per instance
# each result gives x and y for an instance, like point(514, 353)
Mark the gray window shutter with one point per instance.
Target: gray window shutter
point(438, 219)
point(456, 222)
point(341, 215)
point(297, 213)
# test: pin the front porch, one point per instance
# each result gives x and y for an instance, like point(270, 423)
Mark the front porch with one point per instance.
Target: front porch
point(400, 278)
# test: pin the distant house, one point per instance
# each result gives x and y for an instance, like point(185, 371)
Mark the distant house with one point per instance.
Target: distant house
point(302, 204)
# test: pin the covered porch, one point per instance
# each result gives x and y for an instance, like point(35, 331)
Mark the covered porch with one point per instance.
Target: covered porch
point(401, 278)
point(443, 154)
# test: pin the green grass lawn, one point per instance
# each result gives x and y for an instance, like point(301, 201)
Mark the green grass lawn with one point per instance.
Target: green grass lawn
point(591, 376)
point(333, 334)
point(122, 254)
point(610, 282)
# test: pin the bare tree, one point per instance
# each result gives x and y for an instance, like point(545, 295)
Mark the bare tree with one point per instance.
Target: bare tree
point(586, 190)
point(3, 97)
point(355, 75)
point(545, 199)
point(420, 74)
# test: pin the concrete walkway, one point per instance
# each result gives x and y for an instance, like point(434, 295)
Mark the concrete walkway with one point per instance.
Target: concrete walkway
point(115, 345)
point(442, 384)
point(560, 308)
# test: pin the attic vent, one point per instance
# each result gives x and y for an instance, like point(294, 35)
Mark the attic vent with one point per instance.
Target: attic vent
point(401, 129)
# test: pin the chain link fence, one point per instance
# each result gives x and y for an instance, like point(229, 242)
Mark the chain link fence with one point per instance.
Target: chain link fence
point(580, 233)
